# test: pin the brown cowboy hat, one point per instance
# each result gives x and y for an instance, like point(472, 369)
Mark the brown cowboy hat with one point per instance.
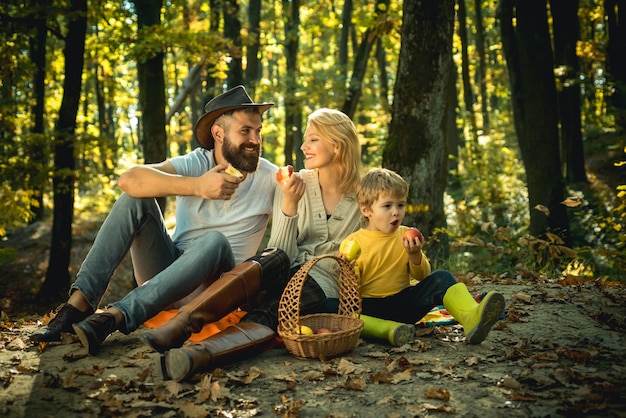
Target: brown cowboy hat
point(235, 98)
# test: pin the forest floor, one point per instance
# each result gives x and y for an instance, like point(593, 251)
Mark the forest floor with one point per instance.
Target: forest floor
point(559, 352)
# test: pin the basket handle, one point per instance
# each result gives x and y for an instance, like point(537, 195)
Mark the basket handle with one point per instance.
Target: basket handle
point(349, 294)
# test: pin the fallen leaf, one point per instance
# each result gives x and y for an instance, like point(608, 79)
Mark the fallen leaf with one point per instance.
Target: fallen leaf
point(522, 297)
point(400, 363)
point(289, 408)
point(173, 387)
point(354, 383)
point(523, 397)
point(190, 410)
point(436, 408)
point(381, 377)
point(252, 375)
point(385, 400)
point(572, 202)
point(401, 377)
point(312, 375)
point(440, 393)
point(543, 209)
point(346, 367)
point(471, 361)
point(212, 393)
point(69, 382)
point(509, 382)
point(16, 345)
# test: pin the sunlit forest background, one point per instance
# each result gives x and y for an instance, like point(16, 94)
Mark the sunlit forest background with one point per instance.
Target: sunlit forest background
point(146, 68)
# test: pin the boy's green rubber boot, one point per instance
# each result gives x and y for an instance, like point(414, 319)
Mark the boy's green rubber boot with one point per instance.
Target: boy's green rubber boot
point(476, 318)
point(396, 333)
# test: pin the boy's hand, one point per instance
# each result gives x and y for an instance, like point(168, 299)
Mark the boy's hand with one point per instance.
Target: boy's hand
point(340, 255)
point(412, 240)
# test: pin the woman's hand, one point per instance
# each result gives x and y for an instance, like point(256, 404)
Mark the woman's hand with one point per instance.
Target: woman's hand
point(293, 190)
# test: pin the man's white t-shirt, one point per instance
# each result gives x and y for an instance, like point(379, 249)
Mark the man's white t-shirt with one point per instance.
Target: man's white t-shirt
point(242, 219)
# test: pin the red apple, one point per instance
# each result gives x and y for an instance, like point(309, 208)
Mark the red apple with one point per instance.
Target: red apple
point(322, 331)
point(284, 173)
point(412, 233)
point(350, 249)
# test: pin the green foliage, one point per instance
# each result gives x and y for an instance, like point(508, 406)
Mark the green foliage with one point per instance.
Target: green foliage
point(7, 255)
point(488, 219)
point(600, 217)
point(488, 187)
point(15, 207)
point(487, 212)
point(487, 202)
point(500, 251)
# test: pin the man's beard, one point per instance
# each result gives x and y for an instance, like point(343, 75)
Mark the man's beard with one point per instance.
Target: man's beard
point(235, 155)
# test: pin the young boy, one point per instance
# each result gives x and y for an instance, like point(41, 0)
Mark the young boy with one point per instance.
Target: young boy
point(389, 261)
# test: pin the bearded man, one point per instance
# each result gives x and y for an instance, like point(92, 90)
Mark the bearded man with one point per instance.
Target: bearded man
point(224, 194)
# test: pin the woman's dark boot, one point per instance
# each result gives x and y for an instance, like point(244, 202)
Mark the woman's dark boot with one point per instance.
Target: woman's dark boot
point(240, 286)
point(234, 343)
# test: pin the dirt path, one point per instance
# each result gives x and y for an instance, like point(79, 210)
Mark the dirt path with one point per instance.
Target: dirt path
point(559, 353)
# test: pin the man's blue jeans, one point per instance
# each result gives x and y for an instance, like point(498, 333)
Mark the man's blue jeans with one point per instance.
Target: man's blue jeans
point(166, 277)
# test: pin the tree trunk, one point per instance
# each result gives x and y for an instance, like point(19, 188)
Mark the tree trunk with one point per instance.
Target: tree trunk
point(454, 137)
point(252, 52)
point(152, 91)
point(566, 35)
point(293, 107)
point(381, 60)
point(528, 54)
point(482, 80)
point(616, 58)
point(468, 95)
point(416, 147)
point(346, 28)
point(370, 37)
point(57, 279)
point(39, 150)
point(232, 31)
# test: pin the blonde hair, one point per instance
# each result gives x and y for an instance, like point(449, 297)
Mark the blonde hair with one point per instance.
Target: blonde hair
point(380, 181)
point(339, 130)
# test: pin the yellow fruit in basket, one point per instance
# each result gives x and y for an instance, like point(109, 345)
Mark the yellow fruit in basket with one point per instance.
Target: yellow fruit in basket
point(350, 249)
point(304, 330)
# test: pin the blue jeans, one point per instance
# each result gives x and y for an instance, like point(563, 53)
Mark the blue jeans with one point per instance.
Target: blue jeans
point(413, 303)
point(166, 277)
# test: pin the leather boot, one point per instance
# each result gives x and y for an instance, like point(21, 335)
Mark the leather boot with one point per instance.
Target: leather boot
point(396, 333)
point(234, 343)
point(94, 330)
point(476, 318)
point(264, 274)
point(66, 316)
point(235, 288)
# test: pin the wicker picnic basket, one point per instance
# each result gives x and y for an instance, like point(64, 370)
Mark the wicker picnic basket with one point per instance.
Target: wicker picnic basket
point(321, 346)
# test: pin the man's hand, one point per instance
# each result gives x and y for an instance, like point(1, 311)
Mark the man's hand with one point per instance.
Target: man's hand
point(217, 185)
